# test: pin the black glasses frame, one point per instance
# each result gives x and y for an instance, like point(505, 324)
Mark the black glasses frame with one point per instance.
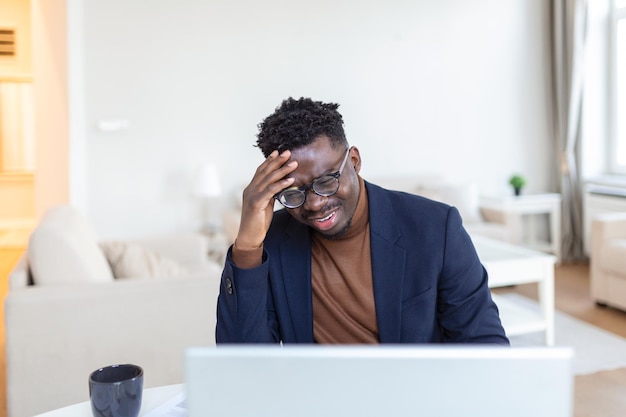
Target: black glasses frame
point(303, 189)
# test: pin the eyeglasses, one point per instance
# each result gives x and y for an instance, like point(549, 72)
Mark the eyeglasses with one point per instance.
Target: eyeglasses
point(324, 186)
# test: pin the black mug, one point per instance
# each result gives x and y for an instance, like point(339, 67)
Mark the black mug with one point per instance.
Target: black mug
point(116, 390)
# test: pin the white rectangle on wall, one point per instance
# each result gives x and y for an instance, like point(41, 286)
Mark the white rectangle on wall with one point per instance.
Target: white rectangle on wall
point(17, 140)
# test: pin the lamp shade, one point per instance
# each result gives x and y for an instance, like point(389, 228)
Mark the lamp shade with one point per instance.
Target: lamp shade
point(207, 182)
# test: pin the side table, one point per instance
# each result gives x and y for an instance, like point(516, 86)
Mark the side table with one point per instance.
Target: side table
point(516, 208)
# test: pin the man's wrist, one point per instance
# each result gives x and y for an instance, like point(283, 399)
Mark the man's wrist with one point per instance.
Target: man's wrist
point(246, 247)
point(247, 258)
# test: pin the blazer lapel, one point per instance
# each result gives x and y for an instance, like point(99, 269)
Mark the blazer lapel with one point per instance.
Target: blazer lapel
point(295, 262)
point(388, 265)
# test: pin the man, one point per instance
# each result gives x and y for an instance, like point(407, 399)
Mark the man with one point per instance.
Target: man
point(346, 261)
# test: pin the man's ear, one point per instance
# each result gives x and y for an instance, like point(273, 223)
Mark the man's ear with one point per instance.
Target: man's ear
point(355, 159)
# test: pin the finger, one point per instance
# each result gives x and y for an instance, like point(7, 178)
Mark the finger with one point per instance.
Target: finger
point(272, 173)
point(274, 161)
point(267, 188)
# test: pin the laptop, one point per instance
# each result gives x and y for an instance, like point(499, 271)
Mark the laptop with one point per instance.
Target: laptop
point(345, 381)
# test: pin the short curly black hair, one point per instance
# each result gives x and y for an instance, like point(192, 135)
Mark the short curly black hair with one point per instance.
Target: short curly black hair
point(297, 123)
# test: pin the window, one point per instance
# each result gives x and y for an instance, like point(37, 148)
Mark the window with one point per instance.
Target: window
point(618, 89)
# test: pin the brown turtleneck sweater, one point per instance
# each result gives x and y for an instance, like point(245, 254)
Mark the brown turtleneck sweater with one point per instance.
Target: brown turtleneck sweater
point(343, 294)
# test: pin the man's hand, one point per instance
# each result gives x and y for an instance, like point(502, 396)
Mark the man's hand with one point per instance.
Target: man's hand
point(258, 199)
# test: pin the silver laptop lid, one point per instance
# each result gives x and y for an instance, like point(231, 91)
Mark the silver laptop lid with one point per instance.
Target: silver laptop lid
point(344, 381)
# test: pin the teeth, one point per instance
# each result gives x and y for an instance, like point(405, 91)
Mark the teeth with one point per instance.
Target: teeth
point(325, 218)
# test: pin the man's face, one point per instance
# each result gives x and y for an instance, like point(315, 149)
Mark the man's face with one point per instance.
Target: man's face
point(331, 216)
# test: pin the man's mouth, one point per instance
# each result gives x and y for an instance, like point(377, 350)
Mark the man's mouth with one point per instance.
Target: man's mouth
point(323, 219)
point(327, 222)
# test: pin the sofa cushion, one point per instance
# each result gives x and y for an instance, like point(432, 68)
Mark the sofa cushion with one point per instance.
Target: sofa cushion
point(130, 260)
point(63, 249)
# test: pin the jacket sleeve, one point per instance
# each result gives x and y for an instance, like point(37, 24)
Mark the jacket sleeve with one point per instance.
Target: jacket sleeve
point(466, 311)
point(245, 312)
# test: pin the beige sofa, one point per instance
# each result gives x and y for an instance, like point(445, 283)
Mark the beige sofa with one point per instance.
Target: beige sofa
point(607, 259)
point(464, 196)
point(76, 304)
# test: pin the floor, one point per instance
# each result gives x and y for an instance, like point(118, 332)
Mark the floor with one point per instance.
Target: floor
point(599, 394)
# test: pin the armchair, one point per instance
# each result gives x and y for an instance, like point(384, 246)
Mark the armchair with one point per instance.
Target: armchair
point(608, 259)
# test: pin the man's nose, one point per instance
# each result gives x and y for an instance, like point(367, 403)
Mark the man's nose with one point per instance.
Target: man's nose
point(313, 201)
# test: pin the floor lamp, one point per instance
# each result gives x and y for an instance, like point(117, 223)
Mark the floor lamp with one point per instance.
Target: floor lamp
point(207, 188)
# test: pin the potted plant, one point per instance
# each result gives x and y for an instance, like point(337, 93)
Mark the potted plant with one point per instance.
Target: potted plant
point(517, 181)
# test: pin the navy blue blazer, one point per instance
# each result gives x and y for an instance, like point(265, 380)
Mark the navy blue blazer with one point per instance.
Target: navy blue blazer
point(429, 284)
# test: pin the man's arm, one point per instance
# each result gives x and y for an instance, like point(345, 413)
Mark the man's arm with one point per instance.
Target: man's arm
point(466, 311)
point(244, 308)
point(257, 206)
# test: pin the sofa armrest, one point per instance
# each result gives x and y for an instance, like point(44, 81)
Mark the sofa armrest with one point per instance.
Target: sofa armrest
point(72, 330)
point(19, 277)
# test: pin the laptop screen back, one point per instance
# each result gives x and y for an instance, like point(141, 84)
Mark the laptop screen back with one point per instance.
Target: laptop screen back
point(442, 381)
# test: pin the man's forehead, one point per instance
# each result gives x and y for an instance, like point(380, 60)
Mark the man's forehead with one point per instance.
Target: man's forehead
point(314, 163)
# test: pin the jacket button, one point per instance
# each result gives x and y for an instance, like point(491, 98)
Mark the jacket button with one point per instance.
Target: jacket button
point(229, 286)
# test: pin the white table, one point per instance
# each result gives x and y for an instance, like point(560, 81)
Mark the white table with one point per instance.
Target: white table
point(516, 208)
point(152, 398)
point(509, 264)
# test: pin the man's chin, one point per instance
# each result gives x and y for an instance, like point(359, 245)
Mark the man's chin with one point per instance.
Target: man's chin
point(335, 235)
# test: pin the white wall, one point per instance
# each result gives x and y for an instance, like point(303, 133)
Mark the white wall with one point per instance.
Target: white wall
point(458, 88)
